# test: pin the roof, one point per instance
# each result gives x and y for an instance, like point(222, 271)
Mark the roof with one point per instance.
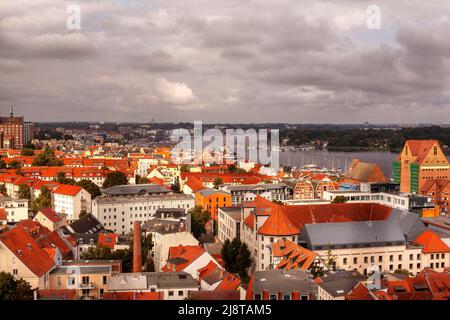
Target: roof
point(293, 255)
point(133, 296)
point(50, 215)
point(339, 287)
point(182, 256)
point(278, 224)
point(107, 240)
point(215, 295)
point(286, 281)
point(209, 192)
point(58, 294)
point(352, 233)
point(23, 246)
point(135, 189)
point(431, 242)
point(420, 148)
point(67, 190)
point(87, 224)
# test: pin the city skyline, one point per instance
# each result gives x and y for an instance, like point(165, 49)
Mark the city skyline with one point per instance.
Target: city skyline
point(133, 61)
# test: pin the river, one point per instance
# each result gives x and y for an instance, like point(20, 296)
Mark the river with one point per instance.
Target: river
point(333, 159)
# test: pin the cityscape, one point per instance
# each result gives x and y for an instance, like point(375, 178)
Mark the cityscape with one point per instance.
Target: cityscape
point(192, 159)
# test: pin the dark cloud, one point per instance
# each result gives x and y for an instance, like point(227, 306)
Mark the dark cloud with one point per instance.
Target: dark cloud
point(231, 61)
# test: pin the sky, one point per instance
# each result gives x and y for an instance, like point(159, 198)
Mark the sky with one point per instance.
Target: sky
point(233, 61)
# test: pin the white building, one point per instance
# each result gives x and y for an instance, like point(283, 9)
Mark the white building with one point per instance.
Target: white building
point(16, 209)
point(71, 200)
point(119, 213)
point(229, 223)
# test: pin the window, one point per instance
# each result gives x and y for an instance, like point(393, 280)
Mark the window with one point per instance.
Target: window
point(366, 260)
point(400, 267)
point(287, 297)
point(180, 293)
point(432, 256)
point(355, 260)
point(372, 259)
point(273, 297)
point(391, 258)
point(15, 272)
point(380, 259)
point(418, 266)
point(400, 257)
point(104, 280)
point(411, 257)
point(257, 296)
point(170, 293)
point(391, 267)
point(345, 261)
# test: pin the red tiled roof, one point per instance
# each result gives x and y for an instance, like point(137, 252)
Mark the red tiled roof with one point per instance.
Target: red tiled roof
point(107, 240)
point(250, 221)
point(23, 246)
point(278, 224)
point(3, 214)
point(54, 240)
point(133, 296)
point(420, 148)
point(59, 294)
point(50, 214)
point(187, 255)
point(229, 282)
point(431, 242)
point(67, 190)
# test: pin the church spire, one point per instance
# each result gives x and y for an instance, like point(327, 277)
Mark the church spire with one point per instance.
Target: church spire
point(11, 112)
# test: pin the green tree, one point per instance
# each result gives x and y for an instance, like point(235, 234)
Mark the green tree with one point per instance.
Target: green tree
point(218, 182)
point(184, 168)
point(90, 187)
point(199, 217)
point(27, 152)
point(330, 259)
point(47, 158)
point(105, 253)
point(24, 191)
point(243, 262)
point(115, 178)
point(61, 178)
point(2, 164)
point(43, 201)
point(339, 199)
point(14, 289)
point(15, 164)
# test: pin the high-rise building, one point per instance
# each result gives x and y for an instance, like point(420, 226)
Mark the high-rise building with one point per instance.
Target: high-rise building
point(28, 132)
point(419, 162)
point(12, 131)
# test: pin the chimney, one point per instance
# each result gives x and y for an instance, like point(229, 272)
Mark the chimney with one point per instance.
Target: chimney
point(137, 251)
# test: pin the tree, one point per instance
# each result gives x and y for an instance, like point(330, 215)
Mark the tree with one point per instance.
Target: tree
point(243, 262)
point(2, 164)
point(105, 253)
point(43, 201)
point(27, 152)
point(47, 158)
point(115, 178)
point(184, 168)
point(14, 289)
point(198, 219)
point(218, 182)
point(24, 191)
point(331, 259)
point(90, 187)
point(141, 180)
point(3, 189)
point(339, 199)
point(15, 164)
point(61, 178)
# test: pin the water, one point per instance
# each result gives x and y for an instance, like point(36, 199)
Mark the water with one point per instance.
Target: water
point(341, 160)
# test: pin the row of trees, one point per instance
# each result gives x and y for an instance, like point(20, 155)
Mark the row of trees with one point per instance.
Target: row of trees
point(14, 289)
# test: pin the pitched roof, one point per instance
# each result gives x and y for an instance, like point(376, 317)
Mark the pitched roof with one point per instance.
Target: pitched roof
point(182, 256)
point(431, 242)
point(67, 190)
point(23, 246)
point(51, 215)
point(278, 224)
point(420, 148)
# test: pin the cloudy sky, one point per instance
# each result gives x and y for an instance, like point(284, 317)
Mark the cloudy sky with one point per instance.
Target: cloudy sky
point(226, 61)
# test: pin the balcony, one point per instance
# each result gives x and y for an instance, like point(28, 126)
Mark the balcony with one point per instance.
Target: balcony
point(87, 286)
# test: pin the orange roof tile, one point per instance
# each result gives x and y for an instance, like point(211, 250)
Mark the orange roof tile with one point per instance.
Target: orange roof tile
point(23, 246)
point(50, 214)
point(431, 242)
point(67, 190)
point(278, 224)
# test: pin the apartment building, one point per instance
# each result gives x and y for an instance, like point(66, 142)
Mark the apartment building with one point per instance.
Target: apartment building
point(15, 209)
point(211, 200)
point(240, 193)
point(119, 212)
point(229, 223)
point(418, 162)
point(71, 200)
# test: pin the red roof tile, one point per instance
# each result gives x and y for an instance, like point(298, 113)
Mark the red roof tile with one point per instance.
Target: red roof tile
point(23, 246)
point(67, 190)
point(51, 215)
point(431, 242)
